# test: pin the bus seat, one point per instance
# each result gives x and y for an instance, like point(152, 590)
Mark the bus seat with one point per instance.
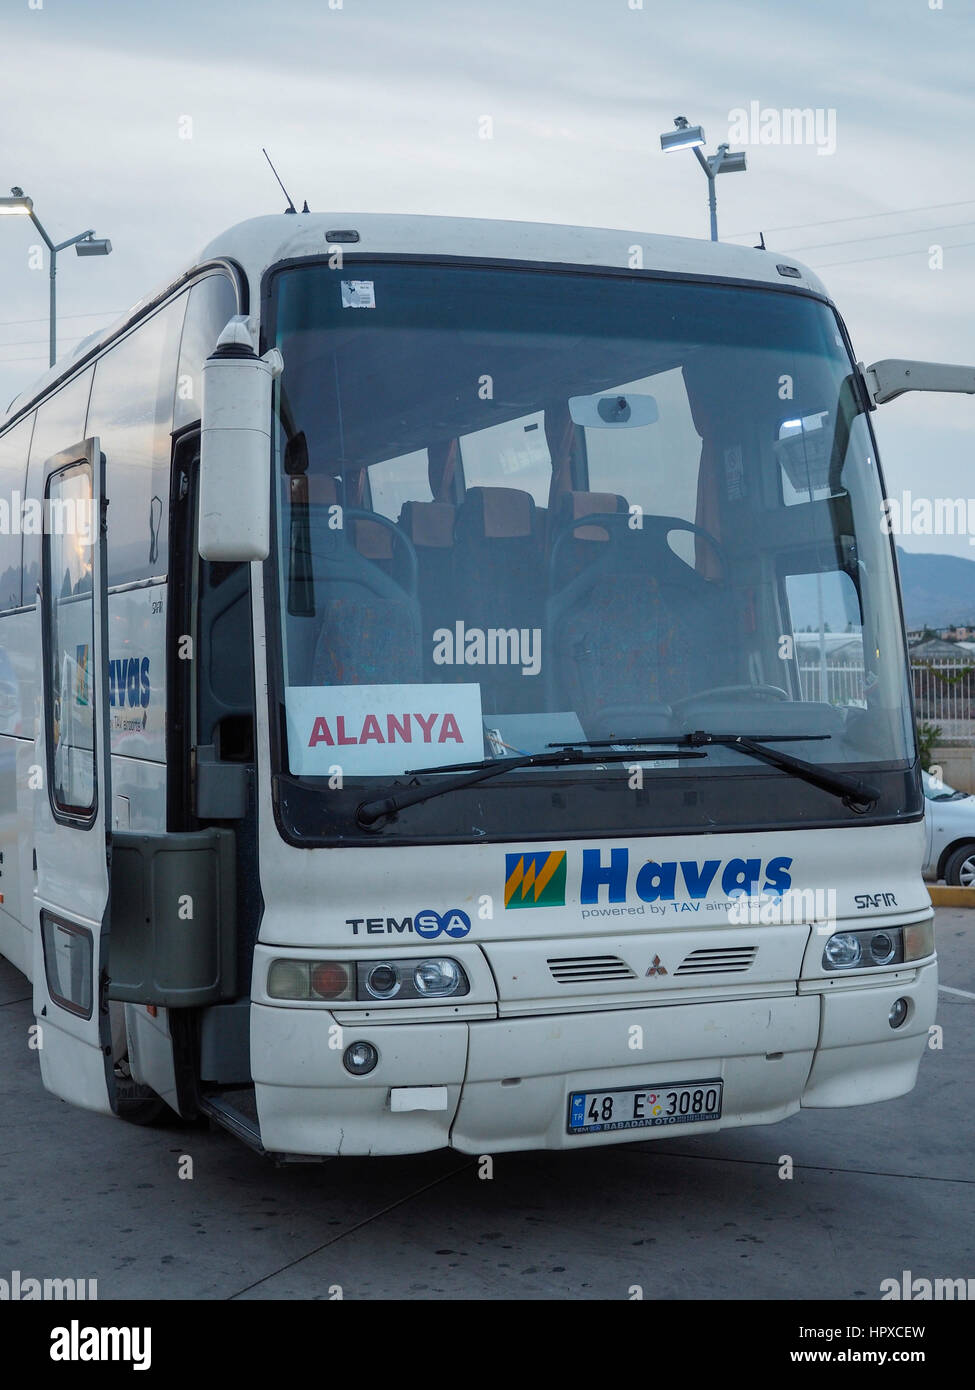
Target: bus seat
point(568, 555)
point(500, 567)
point(636, 627)
point(430, 526)
point(366, 626)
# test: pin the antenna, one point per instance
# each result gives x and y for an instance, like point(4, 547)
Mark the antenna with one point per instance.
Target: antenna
point(291, 207)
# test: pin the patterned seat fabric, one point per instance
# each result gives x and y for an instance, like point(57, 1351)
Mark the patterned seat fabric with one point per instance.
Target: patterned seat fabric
point(365, 641)
point(625, 645)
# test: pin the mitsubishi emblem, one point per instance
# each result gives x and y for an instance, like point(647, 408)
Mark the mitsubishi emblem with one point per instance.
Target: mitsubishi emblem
point(656, 968)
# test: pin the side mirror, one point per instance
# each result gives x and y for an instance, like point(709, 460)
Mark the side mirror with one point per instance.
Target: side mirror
point(892, 376)
point(235, 447)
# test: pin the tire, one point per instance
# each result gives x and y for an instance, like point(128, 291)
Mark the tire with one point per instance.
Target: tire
point(960, 866)
point(139, 1105)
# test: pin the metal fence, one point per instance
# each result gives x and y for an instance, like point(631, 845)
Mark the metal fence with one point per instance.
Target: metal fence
point(944, 692)
point(944, 695)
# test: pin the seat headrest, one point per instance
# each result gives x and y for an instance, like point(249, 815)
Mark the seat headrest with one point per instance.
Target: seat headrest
point(580, 504)
point(321, 488)
point(372, 540)
point(429, 525)
point(498, 512)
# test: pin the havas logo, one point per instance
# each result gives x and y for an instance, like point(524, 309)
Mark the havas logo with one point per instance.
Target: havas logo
point(128, 682)
point(659, 880)
point(535, 880)
point(493, 646)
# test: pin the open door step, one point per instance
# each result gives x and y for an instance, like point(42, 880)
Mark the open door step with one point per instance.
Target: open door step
point(235, 1109)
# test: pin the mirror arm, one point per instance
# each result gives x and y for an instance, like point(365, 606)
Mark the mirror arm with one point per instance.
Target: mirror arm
point(893, 376)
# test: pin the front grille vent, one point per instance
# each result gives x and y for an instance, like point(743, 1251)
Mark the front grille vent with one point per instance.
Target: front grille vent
point(718, 960)
point(568, 969)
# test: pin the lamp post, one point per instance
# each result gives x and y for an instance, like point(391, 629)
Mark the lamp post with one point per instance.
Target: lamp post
point(691, 137)
point(85, 244)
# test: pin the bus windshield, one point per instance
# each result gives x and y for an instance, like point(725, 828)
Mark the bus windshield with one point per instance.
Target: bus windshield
point(518, 508)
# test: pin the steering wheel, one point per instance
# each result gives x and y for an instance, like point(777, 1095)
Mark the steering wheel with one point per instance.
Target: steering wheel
point(765, 694)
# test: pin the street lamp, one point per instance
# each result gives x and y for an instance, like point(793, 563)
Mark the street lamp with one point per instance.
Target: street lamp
point(691, 137)
point(85, 244)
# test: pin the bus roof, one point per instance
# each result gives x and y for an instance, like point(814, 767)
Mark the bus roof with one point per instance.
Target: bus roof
point(261, 242)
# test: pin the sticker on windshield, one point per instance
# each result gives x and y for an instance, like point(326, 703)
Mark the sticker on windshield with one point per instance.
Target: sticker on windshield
point(358, 294)
point(381, 730)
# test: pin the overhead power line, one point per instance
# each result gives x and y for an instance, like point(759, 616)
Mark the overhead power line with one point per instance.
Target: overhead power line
point(882, 236)
point(92, 314)
point(861, 217)
point(892, 255)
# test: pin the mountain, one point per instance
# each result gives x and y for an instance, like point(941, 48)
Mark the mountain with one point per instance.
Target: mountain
point(938, 590)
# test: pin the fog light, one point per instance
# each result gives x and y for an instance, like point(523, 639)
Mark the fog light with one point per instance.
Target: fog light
point(360, 1058)
point(842, 951)
point(382, 981)
point(898, 1012)
point(437, 978)
point(883, 948)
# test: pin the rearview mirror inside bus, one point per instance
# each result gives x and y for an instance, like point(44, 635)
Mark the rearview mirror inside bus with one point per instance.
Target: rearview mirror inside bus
point(235, 447)
point(617, 409)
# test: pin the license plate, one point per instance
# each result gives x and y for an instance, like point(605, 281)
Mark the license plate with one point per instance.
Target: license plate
point(640, 1107)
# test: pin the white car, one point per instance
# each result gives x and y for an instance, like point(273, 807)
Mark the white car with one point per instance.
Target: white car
point(949, 822)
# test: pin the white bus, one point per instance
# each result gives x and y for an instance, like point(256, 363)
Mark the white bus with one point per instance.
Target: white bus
point(432, 764)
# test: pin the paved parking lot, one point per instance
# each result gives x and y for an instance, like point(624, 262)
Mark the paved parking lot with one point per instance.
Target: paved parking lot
point(876, 1190)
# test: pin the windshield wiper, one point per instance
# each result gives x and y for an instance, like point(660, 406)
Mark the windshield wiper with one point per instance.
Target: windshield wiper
point(369, 812)
point(854, 792)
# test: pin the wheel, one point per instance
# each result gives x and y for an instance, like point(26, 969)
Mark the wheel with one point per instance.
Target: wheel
point(960, 866)
point(138, 1104)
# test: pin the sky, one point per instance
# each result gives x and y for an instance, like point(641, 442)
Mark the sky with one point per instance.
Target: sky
point(146, 122)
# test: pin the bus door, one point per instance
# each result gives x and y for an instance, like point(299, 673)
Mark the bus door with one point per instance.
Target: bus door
point(72, 791)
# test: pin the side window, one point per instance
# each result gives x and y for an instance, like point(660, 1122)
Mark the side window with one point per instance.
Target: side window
point(69, 624)
point(132, 414)
point(655, 468)
point(14, 447)
point(825, 614)
point(512, 454)
point(395, 481)
point(212, 302)
point(803, 452)
point(59, 423)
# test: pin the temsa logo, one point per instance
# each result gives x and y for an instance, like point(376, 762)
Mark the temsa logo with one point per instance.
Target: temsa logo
point(385, 728)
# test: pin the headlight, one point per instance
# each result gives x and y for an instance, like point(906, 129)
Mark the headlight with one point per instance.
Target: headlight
point(870, 948)
point(436, 978)
point(842, 952)
point(382, 981)
point(334, 981)
point(883, 948)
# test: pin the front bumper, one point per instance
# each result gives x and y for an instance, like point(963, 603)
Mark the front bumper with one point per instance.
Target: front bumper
point(503, 1084)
